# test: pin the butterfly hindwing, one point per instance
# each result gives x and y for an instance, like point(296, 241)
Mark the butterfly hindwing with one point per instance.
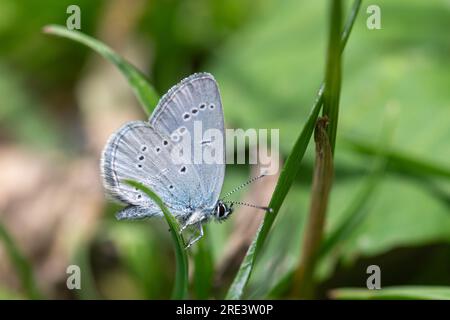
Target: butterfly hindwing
point(140, 153)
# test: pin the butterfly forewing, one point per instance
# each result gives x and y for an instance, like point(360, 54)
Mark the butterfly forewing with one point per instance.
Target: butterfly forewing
point(193, 109)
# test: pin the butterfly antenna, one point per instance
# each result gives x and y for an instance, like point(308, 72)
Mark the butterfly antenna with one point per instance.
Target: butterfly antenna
point(267, 209)
point(243, 185)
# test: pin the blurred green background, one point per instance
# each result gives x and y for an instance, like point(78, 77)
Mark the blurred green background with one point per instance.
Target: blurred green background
point(59, 102)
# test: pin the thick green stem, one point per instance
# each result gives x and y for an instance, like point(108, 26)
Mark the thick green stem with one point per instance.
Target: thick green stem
point(333, 72)
point(322, 181)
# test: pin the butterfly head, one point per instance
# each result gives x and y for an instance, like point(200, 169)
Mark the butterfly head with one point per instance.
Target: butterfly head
point(222, 211)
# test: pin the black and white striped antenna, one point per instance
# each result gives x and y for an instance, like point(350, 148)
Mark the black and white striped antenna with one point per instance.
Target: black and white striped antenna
point(243, 185)
point(267, 209)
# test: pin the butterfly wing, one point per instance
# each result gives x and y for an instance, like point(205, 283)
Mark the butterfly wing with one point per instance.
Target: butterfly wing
point(195, 102)
point(138, 152)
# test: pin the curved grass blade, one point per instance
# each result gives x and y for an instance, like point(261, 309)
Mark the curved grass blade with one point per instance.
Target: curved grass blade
point(203, 268)
point(393, 293)
point(180, 289)
point(287, 176)
point(145, 93)
point(21, 264)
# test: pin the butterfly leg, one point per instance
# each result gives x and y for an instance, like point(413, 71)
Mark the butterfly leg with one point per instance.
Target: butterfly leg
point(184, 226)
point(195, 218)
point(192, 241)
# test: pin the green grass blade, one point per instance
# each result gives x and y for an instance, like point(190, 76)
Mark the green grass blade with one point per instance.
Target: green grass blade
point(393, 293)
point(333, 72)
point(21, 264)
point(203, 268)
point(145, 93)
point(236, 289)
point(287, 176)
point(180, 289)
point(349, 24)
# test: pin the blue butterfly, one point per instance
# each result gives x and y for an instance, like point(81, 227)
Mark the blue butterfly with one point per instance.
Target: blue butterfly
point(144, 152)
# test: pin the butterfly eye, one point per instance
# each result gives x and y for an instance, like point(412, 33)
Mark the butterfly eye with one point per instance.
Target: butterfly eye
point(221, 210)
